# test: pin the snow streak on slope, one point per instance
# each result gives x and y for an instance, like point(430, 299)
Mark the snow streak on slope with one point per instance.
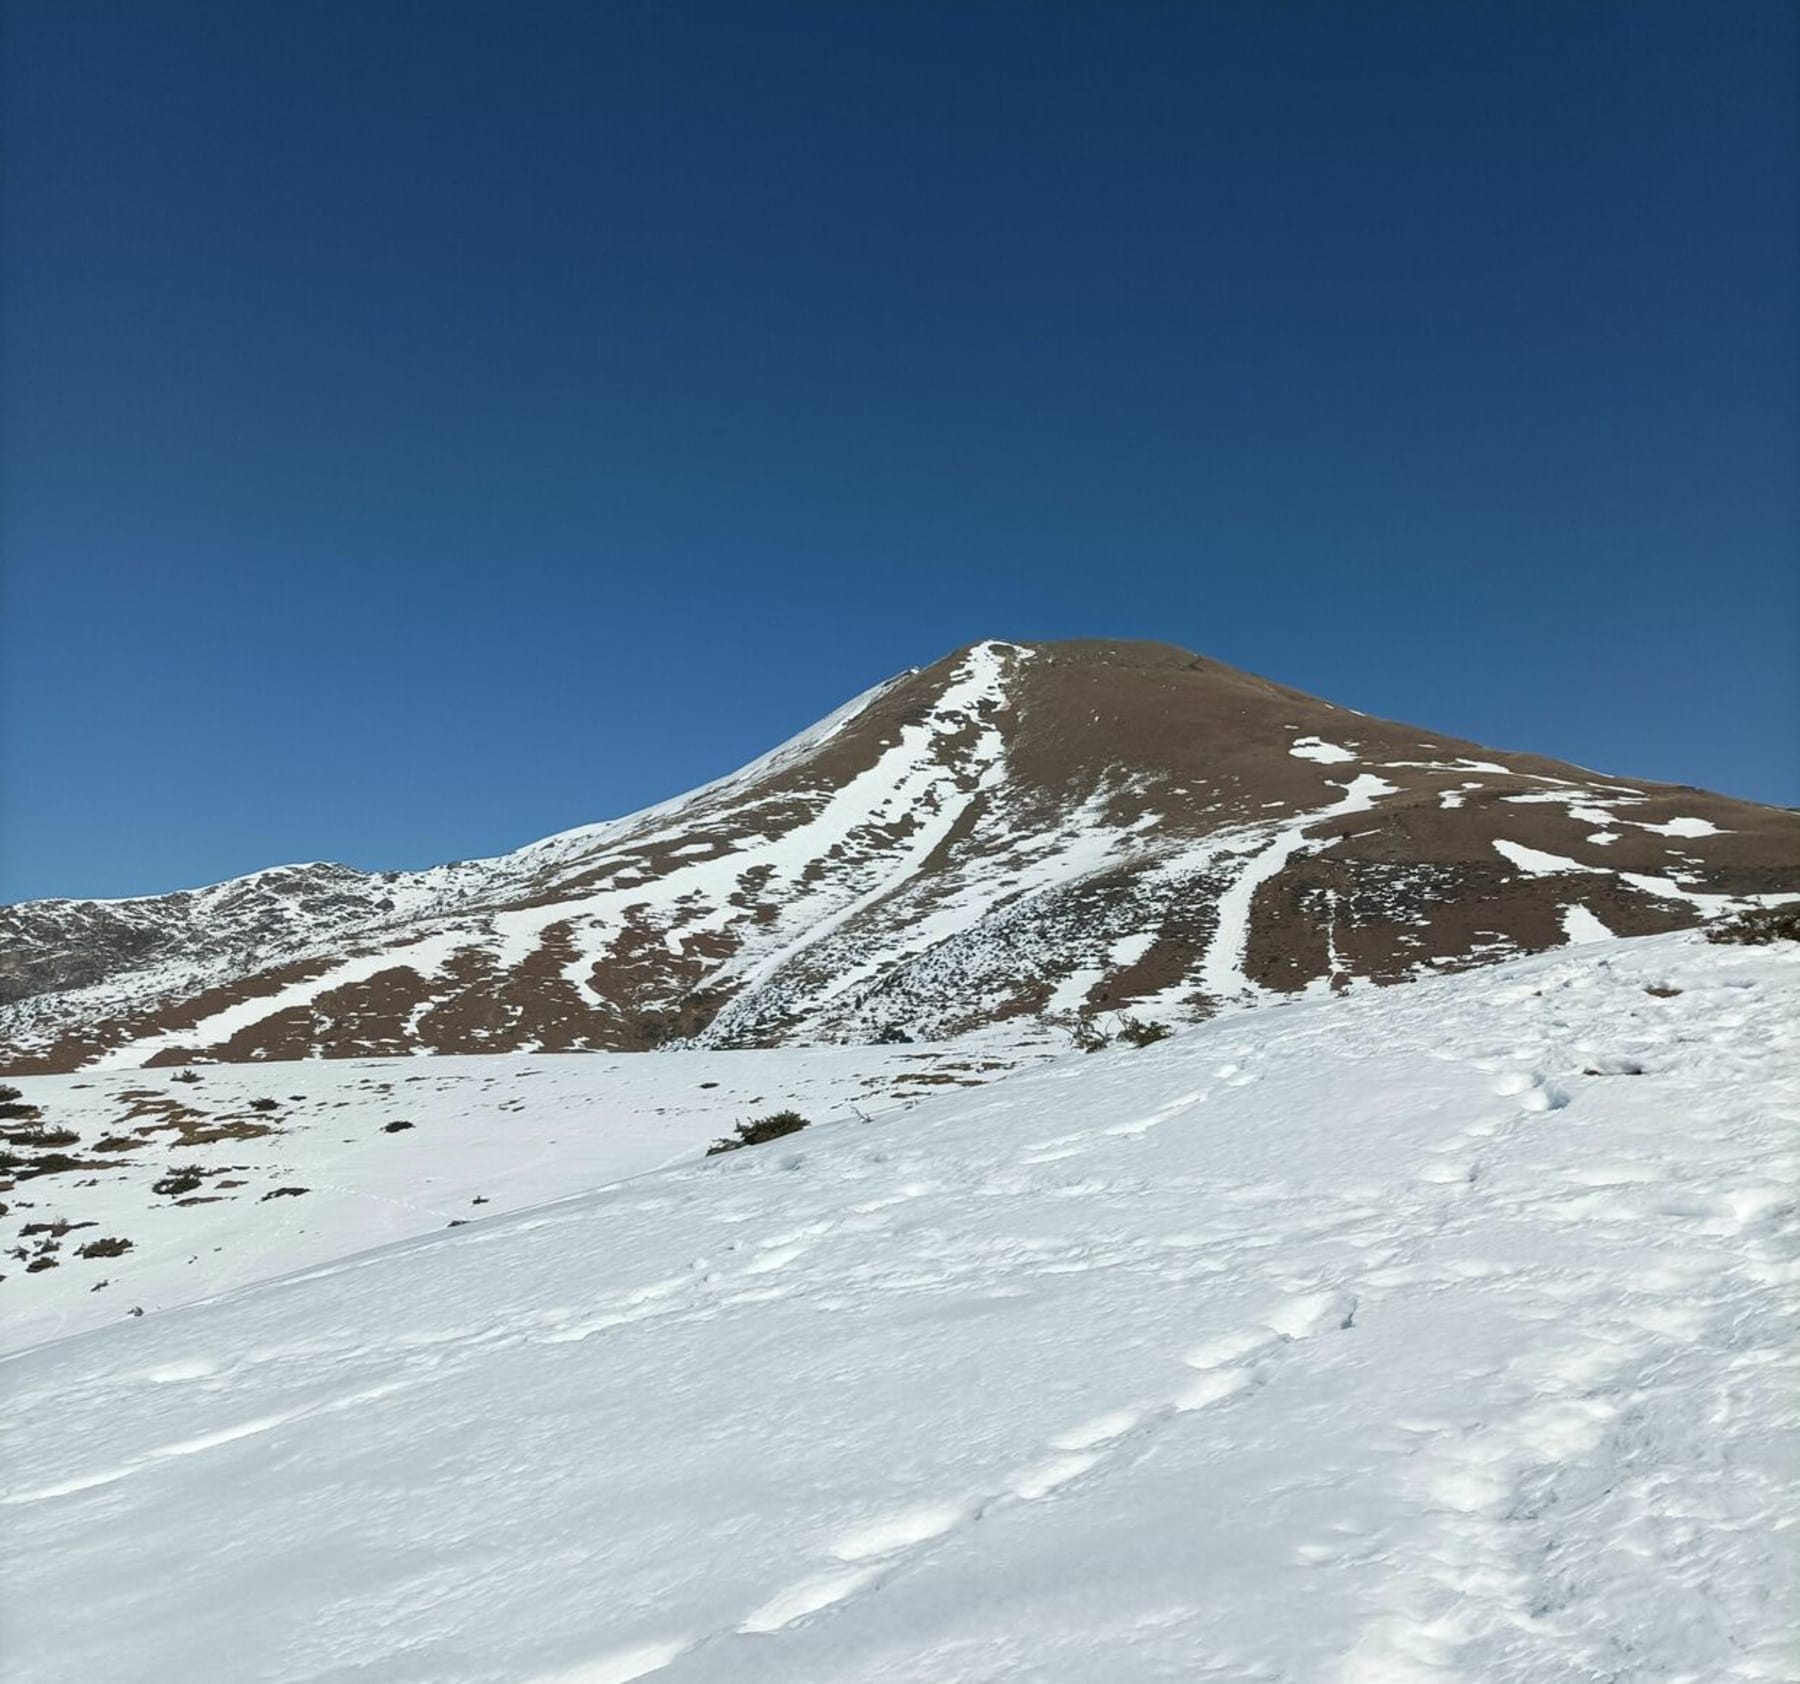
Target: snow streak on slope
point(1077, 828)
point(1434, 1336)
point(574, 844)
point(1222, 973)
point(908, 781)
point(422, 958)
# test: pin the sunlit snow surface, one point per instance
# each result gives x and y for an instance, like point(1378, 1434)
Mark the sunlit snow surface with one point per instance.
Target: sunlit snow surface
point(1316, 748)
point(1430, 1336)
point(387, 1149)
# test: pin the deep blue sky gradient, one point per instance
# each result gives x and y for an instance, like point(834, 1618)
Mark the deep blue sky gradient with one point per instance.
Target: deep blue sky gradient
point(428, 426)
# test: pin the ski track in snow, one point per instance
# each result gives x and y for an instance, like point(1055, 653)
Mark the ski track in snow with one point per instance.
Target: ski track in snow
point(1455, 1316)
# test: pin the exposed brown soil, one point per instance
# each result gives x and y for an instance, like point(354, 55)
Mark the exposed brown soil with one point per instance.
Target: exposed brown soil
point(51, 1163)
point(1181, 754)
point(187, 1123)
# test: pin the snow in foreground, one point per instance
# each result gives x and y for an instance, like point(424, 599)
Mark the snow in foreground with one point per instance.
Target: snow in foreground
point(1437, 1334)
point(354, 1153)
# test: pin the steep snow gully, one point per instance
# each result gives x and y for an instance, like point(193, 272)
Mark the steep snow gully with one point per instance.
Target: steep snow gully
point(1427, 1336)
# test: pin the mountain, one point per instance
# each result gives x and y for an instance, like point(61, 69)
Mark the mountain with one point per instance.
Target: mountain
point(1061, 831)
point(1437, 1333)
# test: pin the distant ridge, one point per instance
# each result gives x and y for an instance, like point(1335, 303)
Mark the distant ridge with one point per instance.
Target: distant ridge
point(1054, 831)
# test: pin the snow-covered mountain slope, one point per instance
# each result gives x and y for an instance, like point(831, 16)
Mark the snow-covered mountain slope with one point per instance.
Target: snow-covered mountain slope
point(1020, 830)
point(227, 1176)
point(1436, 1335)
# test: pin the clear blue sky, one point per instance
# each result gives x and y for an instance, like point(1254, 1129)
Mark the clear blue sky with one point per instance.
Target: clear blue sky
point(430, 425)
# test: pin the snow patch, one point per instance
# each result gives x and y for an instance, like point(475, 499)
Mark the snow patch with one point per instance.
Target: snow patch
point(1221, 973)
point(1538, 863)
point(1582, 925)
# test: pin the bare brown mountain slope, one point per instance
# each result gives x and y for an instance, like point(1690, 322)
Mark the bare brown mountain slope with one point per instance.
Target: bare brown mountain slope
point(1056, 830)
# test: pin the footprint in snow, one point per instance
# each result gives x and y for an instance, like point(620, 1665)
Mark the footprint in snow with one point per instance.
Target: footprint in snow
point(867, 1551)
point(1449, 1173)
point(902, 1530)
point(775, 1257)
point(1216, 1385)
point(619, 1666)
point(1041, 1478)
point(1103, 1429)
point(1175, 1107)
point(1511, 1082)
point(1303, 1316)
point(197, 1368)
point(1230, 1348)
point(1533, 1090)
point(1232, 1363)
point(809, 1596)
point(1050, 1153)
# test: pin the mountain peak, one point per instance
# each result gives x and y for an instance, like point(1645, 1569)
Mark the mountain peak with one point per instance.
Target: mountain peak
point(1020, 833)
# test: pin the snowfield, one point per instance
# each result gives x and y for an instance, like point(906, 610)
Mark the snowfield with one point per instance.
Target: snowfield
point(322, 1157)
point(1433, 1335)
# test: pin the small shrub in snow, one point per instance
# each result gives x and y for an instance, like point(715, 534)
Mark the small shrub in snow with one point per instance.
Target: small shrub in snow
point(761, 1129)
point(1087, 1036)
point(1135, 1032)
point(103, 1248)
point(39, 1136)
point(1758, 928)
point(51, 1163)
point(62, 1225)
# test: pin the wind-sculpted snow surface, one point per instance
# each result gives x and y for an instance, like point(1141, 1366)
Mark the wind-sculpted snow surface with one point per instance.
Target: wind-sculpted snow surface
point(1432, 1336)
point(1019, 831)
point(195, 1183)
